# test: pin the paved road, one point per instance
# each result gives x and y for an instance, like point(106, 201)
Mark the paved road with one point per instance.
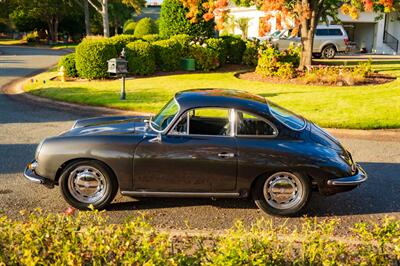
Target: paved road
point(23, 125)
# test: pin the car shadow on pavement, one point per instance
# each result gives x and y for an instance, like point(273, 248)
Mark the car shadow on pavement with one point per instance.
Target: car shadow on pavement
point(380, 194)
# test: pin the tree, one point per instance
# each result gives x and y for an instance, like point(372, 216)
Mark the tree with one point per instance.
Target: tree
point(174, 20)
point(303, 15)
point(101, 6)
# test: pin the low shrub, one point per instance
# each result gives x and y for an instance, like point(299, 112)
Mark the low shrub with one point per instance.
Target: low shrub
point(151, 37)
point(250, 55)
point(69, 64)
point(145, 26)
point(273, 63)
point(235, 47)
point(120, 41)
point(91, 57)
point(336, 75)
point(87, 238)
point(141, 59)
point(130, 27)
point(31, 37)
point(184, 40)
point(218, 45)
point(168, 54)
point(206, 58)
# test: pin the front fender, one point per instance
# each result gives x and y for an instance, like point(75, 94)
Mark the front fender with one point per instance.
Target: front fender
point(114, 151)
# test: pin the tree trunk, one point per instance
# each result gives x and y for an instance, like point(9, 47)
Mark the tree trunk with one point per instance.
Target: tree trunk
point(53, 29)
point(307, 35)
point(106, 24)
point(87, 17)
point(116, 24)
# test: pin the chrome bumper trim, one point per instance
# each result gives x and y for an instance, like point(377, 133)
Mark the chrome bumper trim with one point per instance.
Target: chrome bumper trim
point(356, 179)
point(33, 177)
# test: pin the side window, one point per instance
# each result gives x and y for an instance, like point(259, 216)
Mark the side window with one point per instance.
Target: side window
point(204, 121)
point(335, 32)
point(252, 125)
point(322, 32)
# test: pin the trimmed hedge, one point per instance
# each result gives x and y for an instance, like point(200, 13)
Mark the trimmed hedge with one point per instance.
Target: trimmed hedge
point(120, 41)
point(91, 57)
point(218, 45)
point(151, 37)
point(168, 54)
point(184, 41)
point(235, 47)
point(141, 59)
point(88, 238)
point(145, 26)
point(130, 28)
point(206, 58)
point(250, 55)
point(68, 61)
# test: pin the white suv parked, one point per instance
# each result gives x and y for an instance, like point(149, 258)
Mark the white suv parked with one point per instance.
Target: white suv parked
point(328, 40)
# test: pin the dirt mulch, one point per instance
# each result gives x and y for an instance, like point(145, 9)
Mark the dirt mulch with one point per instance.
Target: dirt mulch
point(372, 79)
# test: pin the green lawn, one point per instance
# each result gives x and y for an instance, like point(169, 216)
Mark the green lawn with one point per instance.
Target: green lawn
point(359, 107)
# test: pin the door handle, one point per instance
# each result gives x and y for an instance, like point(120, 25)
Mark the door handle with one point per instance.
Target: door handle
point(226, 155)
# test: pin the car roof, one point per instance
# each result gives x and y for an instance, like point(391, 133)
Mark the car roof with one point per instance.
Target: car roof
point(324, 26)
point(225, 98)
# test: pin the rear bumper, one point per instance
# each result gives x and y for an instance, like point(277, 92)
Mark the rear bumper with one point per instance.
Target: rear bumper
point(360, 177)
point(33, 177)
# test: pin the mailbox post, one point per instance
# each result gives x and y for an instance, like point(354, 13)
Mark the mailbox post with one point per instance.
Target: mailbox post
point(119, 66)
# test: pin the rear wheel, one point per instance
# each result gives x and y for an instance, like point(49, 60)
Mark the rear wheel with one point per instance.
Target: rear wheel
point(329, 52)
point(86, 183)
point(282, 193)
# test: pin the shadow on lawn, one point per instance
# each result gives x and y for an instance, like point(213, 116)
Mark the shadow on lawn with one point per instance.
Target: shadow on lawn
point(380, 194)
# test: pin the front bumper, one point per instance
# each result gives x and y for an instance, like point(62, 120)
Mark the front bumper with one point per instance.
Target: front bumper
point(29, 173)
point(360, 177)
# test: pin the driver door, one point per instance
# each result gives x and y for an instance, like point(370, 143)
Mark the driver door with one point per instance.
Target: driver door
point(199, 154)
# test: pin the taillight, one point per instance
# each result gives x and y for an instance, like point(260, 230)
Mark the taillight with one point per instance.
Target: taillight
point(346, 41)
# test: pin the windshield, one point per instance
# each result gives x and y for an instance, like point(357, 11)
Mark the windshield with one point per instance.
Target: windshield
point(161, 121)
point(286, 117)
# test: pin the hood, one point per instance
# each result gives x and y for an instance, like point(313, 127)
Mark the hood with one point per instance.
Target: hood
point(110, 125)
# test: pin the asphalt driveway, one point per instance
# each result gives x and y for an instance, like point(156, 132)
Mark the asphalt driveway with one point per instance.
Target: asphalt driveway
point(23, 124)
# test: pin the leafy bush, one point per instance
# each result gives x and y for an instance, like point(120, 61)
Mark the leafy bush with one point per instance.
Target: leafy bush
point(218, 45)
point(130, 27)
point(31, 37)
point(141, 59)
point(145, 26)
point(206, 58)
point(68, 62)
point(173, 20)
point(87, 238)
point(336, 75)
point(168, 54)
point(91, 57)
point(184, 41)
point(120, 41)
point(273, 63)
point(250, 55)
point(235, 47)
point(151, 37)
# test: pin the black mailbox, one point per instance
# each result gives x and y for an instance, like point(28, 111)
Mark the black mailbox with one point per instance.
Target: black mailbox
point(117, 66)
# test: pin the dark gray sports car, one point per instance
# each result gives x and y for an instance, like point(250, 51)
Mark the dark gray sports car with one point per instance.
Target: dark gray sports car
point(203, 143)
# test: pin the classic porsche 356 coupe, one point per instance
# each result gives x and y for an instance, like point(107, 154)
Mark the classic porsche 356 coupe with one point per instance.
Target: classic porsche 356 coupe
point(203, 143)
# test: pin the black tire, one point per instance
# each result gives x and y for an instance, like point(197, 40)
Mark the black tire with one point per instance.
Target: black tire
point(317, 55)
point(108, 183)
point(299, 205)
point(329, 51)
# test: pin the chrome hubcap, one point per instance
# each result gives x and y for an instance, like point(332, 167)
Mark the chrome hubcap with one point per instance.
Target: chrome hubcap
point(283, 190)
point(329, 52)
point(87, 184)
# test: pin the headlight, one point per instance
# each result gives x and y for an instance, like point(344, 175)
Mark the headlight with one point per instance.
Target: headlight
point(39, 147)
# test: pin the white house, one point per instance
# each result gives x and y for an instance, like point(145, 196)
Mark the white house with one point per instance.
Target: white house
point(376, 36)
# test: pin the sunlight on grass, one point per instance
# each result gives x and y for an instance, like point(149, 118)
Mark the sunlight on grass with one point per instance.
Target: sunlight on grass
point(360, 107)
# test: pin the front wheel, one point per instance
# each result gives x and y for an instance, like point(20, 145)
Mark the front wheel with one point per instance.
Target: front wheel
point(282, 193)
point(86, 183)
